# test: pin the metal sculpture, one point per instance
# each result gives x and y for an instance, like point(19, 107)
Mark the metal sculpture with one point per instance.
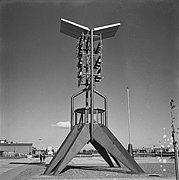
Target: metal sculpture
point(89, 124)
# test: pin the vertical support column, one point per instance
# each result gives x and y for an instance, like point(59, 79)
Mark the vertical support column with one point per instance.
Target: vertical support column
point(92, 87)
point(76, 118)
point(106, 111)
point(86, 102)
point(97, 114)
point(85, 119)
point(72, 106)
point(87, 105)
point(72, 111)
point(101, 118)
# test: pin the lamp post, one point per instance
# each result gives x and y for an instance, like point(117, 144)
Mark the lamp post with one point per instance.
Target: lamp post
point(130, 149)
point(174, 141)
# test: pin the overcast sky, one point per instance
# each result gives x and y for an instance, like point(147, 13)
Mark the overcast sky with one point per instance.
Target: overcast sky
point(38, 68)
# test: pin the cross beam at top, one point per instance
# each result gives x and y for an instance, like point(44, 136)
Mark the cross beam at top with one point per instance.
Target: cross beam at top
point(75, 30)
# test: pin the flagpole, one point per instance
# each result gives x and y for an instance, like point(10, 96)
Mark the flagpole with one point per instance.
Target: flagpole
point(129, 115)
point(130, 150)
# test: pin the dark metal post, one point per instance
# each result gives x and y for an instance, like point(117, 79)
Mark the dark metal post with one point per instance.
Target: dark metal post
point(176, 153)
point(174, 141)
point(72, 112)
point(106, 111)
point(87, 98)
point(105, 107)
point(72, 105)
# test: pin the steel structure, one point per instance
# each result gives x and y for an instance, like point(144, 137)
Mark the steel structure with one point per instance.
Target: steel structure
point(88, 123)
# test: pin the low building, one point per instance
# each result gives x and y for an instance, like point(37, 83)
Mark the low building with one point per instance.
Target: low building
point(21, 148)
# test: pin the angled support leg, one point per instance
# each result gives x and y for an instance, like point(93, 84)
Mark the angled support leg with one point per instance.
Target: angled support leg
point(104, 137)
point(102, 152)
point(62, 150)
point(104, 142)
point(116, 161)
point(79, 142)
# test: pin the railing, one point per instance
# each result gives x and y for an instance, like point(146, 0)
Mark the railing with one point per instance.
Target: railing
point(82, 115)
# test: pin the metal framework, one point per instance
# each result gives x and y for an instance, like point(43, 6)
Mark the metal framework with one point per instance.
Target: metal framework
point(88, 123)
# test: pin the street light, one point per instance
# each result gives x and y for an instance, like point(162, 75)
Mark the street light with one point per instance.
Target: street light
point(130, 149)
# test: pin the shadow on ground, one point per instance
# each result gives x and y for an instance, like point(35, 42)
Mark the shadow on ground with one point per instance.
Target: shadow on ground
point(96, 168)
point(30, 163)
point(90, 172)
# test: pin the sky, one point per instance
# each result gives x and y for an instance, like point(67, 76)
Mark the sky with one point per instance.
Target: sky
point(38, 68)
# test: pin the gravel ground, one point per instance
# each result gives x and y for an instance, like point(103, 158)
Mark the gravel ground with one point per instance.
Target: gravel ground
point(100, 170)
point(82, 172)
point(32, 171)
point(165, 170)
point(88, 172)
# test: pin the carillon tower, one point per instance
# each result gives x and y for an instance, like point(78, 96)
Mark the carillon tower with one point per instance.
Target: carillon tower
point(88, 123)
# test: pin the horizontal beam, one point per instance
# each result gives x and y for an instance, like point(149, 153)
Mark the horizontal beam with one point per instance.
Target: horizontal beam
point(107, 31)
point(75, 30)
point(72, 29)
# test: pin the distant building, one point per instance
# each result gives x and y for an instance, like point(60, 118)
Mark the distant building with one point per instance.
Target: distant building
point(23, 148)
point(145, 150)
point(3, 141)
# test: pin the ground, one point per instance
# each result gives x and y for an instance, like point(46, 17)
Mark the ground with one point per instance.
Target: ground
point(86, 168)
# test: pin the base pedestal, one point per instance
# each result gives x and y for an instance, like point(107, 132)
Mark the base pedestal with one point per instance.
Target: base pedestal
point(130, 150)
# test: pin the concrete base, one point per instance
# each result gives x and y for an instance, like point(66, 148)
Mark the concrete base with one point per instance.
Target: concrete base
point(130, 150)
